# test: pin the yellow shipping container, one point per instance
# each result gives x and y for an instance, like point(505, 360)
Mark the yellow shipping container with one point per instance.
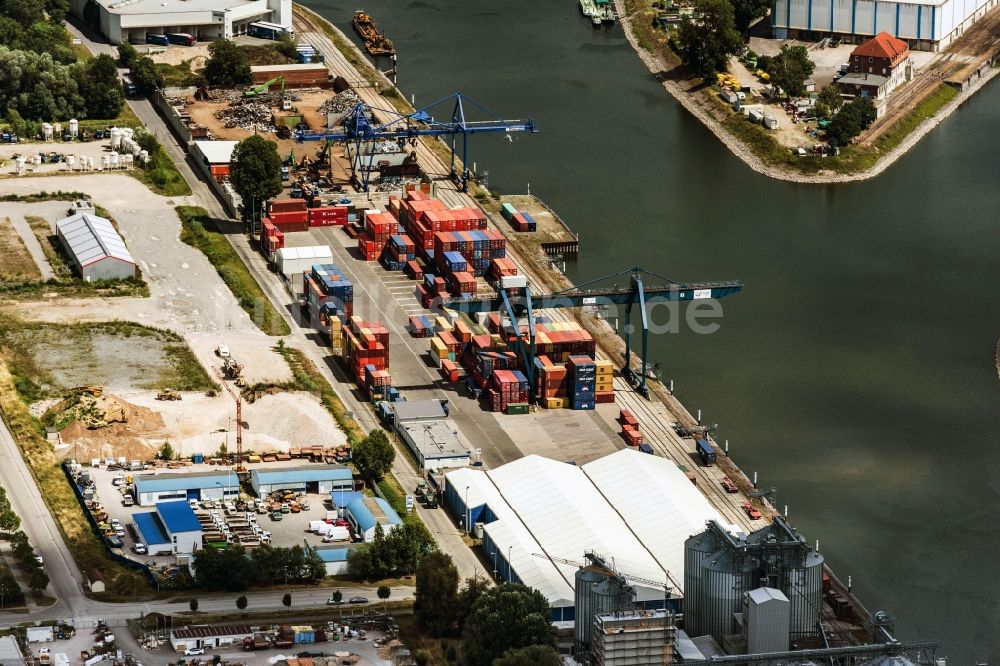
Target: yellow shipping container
point(604, 387)
point(605, 368)
point(555, 403)
point(441, 324)
point(439, 348)
point(496, 341)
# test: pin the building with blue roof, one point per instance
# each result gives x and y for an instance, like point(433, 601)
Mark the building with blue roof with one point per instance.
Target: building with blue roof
point(172, 529)
point(364, 513)
point(320, 479)
point(164, 487)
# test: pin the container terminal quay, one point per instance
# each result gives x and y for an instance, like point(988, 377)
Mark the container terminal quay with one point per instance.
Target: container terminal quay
point(525, 425)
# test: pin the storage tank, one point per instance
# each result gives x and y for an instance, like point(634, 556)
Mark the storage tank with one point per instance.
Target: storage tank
point(57, 130)
point(143, 156)
point(805, 593)
point(114, 160)
point(116, 138)
point(47, 131)
point(105, 162)
point(70, 160)
point(595, 592)
point(19, 165)
point(697, 549)
point(74, 127)
point(725, 577)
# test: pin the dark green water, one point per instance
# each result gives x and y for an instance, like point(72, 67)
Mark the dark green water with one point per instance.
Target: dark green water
point(855, 372)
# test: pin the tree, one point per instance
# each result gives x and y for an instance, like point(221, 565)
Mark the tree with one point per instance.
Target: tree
point(241, 602)
point(507, 617)
point(383, 592)
point(374, 454)
point(337, 596)
point(286, 600)
point(127, 55)
point(790, 68)
point(227, 64)
point(255, 173)
point(100, 87)
point(38, 580)
point(745, 12)
point(533, 655)
point(706, 43)
point(230, 569)
point(853, 118)
point(829, 97)
point(436, 593)
point(193, 605)
point(471, 591)
point(144, 74)
point(166, 452)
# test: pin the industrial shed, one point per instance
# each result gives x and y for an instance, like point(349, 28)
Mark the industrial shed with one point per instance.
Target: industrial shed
point(153, 488)
point(172, 529)
point(209, 636)
point(633, 507)
point(95, 249)
point(928, 25)
point(216, 155)
point(364, 513)
point(322, 479)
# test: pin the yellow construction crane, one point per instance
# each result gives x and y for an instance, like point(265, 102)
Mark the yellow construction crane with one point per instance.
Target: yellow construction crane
point(238, 467)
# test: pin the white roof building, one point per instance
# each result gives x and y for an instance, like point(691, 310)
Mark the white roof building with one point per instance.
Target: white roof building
point(633, 508)
point(95, 249)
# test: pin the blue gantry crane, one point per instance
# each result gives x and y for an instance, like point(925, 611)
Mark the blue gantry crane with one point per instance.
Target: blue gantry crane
point(524, 305)
point(358, 128)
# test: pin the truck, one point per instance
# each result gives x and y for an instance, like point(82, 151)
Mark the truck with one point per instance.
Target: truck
point(152, 38)
point(129, 88)
point(256, 642)
point(267, 30)
point(182, 38)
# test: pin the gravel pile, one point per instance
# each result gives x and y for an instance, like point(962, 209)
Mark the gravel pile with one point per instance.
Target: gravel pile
point(247, 114)
point(340, 102)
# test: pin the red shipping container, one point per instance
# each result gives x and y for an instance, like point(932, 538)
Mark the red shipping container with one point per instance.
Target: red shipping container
point(604, 398)
point(286, 205)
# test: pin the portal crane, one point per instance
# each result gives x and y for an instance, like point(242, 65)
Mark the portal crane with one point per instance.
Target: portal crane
point(239, 421)
point(262, 88)
point(588, 295)
point(358, 129)
point(599, 562)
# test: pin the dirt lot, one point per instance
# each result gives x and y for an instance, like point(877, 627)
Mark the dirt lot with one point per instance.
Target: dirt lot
point(17, 263)
point(92, 149)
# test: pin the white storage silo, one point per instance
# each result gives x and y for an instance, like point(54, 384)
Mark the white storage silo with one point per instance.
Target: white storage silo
point(74, 127)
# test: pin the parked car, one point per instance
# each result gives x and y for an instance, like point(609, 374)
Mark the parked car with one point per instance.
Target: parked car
point(334, 602)
point(359, 600)
point(139, 548)
point(191, 652)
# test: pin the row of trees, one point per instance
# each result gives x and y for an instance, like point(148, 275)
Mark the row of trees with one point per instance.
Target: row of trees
point(394, 554)
point(36, 25)
point(37, 87)
point(234, 569)
point(506, 625)
point(25, 554)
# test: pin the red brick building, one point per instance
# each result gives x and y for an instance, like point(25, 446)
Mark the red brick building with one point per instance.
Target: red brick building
point(877, 67)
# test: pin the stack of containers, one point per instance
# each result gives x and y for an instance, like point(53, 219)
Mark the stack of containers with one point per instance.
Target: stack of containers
point(519, 220)
point(551, 380)
point(398, 251)
point(377, 381)
point(288, 214)
point(604, 389)
point(462, 284)
point(421, 327)
point(379, 227)
point(337, 290)
point(327, 216)
point(414, 270)
point(271, 239)
point(508, 392)
point(582, 381)
point(630, 428)
point(478, 247)
point(365, 343)
point(500, 268)
point(452, 262)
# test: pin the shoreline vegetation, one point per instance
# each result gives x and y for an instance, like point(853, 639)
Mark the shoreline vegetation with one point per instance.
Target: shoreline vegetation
point(753, 145)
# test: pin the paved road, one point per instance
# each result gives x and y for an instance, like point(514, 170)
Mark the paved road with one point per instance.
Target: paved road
point(23, 229)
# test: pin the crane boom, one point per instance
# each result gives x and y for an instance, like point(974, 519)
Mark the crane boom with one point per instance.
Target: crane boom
point(239, 420)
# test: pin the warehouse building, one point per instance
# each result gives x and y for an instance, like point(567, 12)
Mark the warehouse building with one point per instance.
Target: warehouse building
point(322, 479)
point(209, 636)
point(434, 441)
point(10, 652)
point(96, 251)
point(206, 20)
point(296, 75)
point(153, 488)
point(216, 155)
point(927, 25)
point(633, 507)
point(172, 529)
point(364, 513)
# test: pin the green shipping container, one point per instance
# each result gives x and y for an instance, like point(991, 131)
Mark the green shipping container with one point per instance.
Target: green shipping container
point(517, 408)
point(507, 211)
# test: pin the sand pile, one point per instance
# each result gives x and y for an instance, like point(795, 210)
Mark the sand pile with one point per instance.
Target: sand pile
point(107, 425)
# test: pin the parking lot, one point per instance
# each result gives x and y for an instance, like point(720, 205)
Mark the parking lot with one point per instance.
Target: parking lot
point(292, 529)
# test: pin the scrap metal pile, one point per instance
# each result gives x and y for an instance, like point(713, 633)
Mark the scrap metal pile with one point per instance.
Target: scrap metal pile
point(247, 114)
point(340, 102)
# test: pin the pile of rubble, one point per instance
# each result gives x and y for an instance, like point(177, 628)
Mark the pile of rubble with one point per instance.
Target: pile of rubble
point(388, 650)
point(248, 115)
point(340, 102)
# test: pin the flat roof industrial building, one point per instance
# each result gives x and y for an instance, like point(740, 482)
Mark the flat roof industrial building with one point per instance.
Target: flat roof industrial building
point(322, 479)
point(633, 507)
point(206, 20)
point(433, 440)
point(153, 488)
point(173, 529)
point(364, 513)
